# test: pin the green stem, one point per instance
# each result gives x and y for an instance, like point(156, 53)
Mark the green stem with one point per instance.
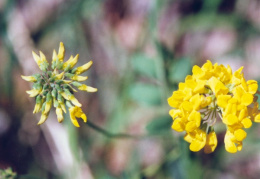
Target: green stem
point(111, 135)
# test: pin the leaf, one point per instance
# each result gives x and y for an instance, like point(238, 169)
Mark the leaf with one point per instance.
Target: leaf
point(179, 70)
point(146, 94)
point(144, 65)
point(159, 125)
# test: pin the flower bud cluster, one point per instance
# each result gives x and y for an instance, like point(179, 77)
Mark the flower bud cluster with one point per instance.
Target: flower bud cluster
point(214, 94)
point(55, 86)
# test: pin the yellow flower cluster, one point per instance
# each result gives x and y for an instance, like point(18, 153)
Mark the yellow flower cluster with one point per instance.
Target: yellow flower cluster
point(56, 87)
point(213, 93)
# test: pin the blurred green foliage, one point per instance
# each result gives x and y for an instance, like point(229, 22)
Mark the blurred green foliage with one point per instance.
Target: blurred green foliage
point(141, 50)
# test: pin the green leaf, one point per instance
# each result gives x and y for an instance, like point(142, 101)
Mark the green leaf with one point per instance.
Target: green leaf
point(159, 125)
point(179, 70)
point(146, 94)
point(144, 65)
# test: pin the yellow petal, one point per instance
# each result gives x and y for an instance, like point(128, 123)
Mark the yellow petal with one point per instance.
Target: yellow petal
point(37, 108)
point(187, 106)
point(200, 87)
point(199, 142)
point(54, 56)
point(196, 101)
point(231, 119)
point(33, 92)
point(247, 123)
point(243, 114)
point(59, 114)
point(217, 86)
point(247, 99)
point(36, 57)
point(72, 62)
point(230, 147)
point(195, 116)
point(189, 137)
point(79, 78)
point(29, 78)
point(257, 118)
point(240, 134)
point(84, 117)
point(178, 125)
point(222, 100)
point(198, 72)
point(42, 56)
point(252, 86)
point(84, 87)
point(59, 76)
point(44, 116)
point(174, 113)
point(48, 106)
point(83, 68)
point(229, 144)
point(211, 142)
point(75, 101)
point(61, 51)
point(190, 126)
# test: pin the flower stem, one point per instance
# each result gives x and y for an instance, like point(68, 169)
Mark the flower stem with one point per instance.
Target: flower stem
point(111, 135)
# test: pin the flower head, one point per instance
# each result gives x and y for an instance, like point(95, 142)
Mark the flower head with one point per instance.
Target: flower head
point(213, 93)
point(55, 86)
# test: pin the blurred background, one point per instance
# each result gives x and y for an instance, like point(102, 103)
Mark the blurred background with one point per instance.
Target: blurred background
point(141, 50)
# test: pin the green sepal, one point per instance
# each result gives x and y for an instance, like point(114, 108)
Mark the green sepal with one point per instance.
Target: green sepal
point(73, 70)
point(37, 86)
point(54, 64)
point(54, 93)
point(69, 75)
point(68, 104)
point(43, 106)
point(55, 103)
point(77, 84)
point(37, 77)
point(45, 86)
point(38, 99)
point(67, 68)
point(59, 65)
point(44, 93)
point(44, 66)
point(49, 73)
point(67, 92)
point(48, 97)
point(60, 98)
point(52, 79)
point(58, 88)
point(59, 82)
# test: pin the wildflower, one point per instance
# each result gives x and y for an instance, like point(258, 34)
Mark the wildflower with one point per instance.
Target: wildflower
point(214, 94)
point(55, 86)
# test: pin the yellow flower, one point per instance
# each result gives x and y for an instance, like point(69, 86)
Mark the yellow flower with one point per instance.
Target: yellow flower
point(76, 112)
point(214, 94)
point(197, 139)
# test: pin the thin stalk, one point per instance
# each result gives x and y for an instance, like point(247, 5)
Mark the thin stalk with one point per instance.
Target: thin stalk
point(111, 135)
